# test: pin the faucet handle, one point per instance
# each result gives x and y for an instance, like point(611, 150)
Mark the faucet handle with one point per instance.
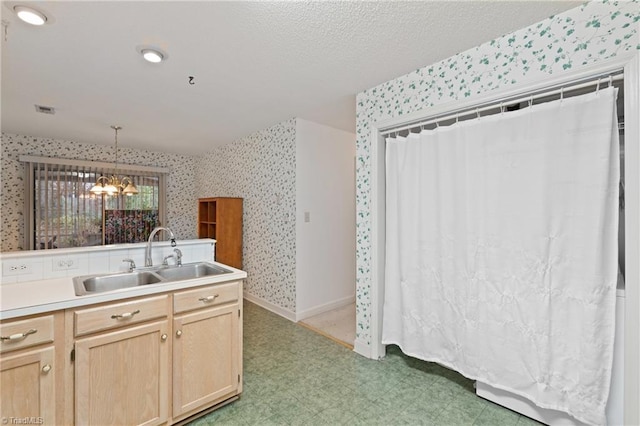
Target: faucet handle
point(132, 264)
point(178, 253)
point(173, 242)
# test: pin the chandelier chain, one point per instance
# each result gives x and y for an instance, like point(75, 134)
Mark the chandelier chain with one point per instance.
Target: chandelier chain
point(116, 128)
point(114, 185)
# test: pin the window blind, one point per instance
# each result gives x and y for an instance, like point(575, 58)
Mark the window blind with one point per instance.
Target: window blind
point(62, 212)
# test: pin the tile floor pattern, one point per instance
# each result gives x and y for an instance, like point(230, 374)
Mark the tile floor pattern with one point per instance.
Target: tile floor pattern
point(339, 323)
point(293, 376)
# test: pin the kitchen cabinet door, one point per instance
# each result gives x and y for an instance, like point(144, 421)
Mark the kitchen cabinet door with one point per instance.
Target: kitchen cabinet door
point(27, 390)
point(206, 358)
point(121, 377)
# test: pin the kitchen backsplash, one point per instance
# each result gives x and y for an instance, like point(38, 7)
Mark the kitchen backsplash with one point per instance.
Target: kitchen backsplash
point(47, 264)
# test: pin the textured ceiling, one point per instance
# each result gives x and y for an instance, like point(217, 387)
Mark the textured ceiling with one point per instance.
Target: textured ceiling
point(255, 63)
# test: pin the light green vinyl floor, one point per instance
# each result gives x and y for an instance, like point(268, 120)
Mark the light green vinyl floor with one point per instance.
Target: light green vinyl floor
point(293, 376)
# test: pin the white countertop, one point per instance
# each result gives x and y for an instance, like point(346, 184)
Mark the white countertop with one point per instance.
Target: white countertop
point(34, 297)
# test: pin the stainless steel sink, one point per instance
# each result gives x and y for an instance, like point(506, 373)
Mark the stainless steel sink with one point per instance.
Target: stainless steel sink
point(101, 283)
point(189, 271)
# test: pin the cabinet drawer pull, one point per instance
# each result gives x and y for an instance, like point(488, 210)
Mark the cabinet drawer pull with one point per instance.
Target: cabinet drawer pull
point(46, 369)
point(208, 298)
point(126, 315)
point(18, 336)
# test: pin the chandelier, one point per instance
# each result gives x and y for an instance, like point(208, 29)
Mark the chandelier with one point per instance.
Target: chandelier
point(114, 185)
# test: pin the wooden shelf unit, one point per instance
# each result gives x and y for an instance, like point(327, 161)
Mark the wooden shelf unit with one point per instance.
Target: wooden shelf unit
point(220, 218)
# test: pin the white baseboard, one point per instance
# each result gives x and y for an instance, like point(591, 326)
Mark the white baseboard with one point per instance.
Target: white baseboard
point(325, 308)
point(285, 313)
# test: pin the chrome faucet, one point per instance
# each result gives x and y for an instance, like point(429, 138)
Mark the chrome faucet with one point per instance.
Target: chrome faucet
point(132, 264)
point(165, 261)
point(147, 250)
point(178, 253)
point(176, 256)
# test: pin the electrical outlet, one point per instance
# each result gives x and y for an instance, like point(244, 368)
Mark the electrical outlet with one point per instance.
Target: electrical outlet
point(15, 268)
point(63, 264)
point(307, 217)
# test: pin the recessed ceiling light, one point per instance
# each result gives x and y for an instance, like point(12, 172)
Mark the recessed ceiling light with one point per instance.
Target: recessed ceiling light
point(152, 55)
point(29, 15)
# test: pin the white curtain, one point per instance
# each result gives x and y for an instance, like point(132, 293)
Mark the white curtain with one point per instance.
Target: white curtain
point(501, 255)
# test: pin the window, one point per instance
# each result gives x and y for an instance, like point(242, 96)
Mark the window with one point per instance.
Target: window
point(61, 212)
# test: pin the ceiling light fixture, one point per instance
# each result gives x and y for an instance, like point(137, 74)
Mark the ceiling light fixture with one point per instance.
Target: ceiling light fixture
point(113, 185)
point(30, 15)
point(152, 55)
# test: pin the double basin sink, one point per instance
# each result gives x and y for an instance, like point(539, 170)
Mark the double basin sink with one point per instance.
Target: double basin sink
point(100, 283)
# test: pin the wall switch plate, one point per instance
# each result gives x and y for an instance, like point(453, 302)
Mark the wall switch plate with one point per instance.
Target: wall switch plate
point(307, 217)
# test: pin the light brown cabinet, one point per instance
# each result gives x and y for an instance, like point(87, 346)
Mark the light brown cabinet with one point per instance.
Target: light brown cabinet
point(156, 359)
point(220, 218)
point(29, 370)
point(205, 358)
point(206, 347)
point(122, 374)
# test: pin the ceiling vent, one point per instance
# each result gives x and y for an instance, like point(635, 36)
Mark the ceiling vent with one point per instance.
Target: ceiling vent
point(45, 109)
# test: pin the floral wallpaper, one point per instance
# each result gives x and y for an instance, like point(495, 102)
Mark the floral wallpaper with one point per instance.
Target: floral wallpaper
point(585, 35)
point(261, 169)
point(181, 199)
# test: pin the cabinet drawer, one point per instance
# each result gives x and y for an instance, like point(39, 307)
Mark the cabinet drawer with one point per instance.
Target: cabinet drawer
point(120, 314)
point(25, 333)
point(204, 297)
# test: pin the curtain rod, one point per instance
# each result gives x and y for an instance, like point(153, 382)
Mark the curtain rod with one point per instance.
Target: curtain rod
point(603, 80)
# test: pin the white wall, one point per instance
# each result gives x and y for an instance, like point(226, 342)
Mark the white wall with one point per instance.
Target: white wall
point(325, 246)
